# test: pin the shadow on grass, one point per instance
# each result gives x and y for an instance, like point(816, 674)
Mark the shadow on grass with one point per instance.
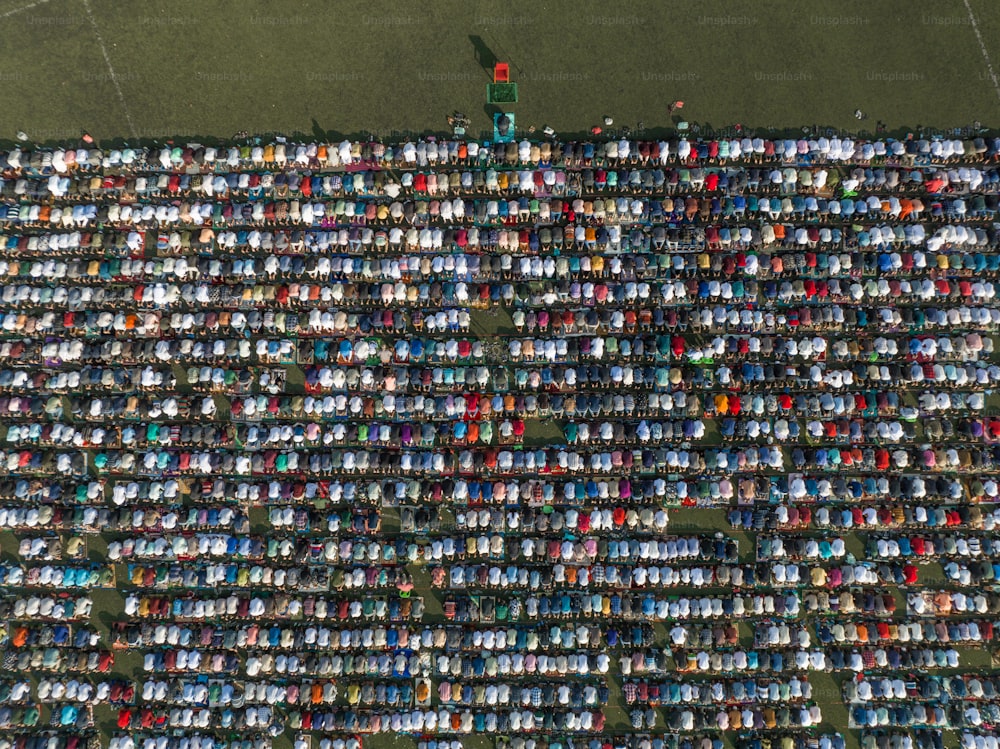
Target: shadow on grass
point(317, 129)
point(106, 619)
point(489, 110)
point(696, 129)
point(483, 54)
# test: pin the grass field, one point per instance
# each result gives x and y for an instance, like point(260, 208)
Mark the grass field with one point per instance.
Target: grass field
point(195, 69)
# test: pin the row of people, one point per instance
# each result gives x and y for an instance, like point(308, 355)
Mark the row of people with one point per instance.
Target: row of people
point(427, 151)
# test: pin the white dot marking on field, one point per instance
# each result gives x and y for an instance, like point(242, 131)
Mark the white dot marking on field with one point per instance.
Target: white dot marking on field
point(982, 47)
point(111, 69)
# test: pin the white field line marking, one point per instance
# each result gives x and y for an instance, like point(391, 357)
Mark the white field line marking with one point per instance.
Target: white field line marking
point(982, 47)
point(26, 7)
point(114, 76)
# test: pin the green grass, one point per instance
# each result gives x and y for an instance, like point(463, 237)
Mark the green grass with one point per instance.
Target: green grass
point(191, 69)
point(826, 688)
point(395, 741)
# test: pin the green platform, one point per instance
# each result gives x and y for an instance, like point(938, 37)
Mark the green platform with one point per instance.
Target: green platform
point(501, 93)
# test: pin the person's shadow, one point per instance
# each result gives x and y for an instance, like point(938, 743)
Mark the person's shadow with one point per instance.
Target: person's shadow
point(487, 58)
point(489, 110)
point(483, 54)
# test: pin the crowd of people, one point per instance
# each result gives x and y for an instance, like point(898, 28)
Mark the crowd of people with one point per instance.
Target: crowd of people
point(591, 444)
